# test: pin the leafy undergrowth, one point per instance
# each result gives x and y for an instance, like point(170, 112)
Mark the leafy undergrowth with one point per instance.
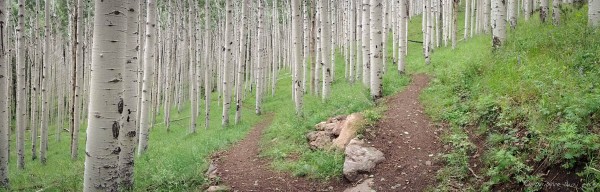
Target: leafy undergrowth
point(522, 110)
point(285, 140)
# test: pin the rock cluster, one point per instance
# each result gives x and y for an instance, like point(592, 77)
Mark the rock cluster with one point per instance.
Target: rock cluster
point(335, 132)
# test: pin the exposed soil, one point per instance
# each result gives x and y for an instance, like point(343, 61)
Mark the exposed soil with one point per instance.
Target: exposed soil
point(241, 168)
point(409, 141)
point(410, 163)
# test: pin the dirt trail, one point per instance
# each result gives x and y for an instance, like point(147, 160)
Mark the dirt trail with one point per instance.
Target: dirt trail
point(409, 164)
point(409, 141)
point(241, 168)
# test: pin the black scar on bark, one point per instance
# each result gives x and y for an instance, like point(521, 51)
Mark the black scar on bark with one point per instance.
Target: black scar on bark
point(117, 150)
point(120, 106)
point(115, 129)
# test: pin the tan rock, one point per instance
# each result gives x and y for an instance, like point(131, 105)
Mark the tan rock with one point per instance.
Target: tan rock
point(348, 130)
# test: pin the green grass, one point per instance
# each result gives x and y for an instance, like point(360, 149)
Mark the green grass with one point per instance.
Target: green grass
point(175, 160)
point(534, 100)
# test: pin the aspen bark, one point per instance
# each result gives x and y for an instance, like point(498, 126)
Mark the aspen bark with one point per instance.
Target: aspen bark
point(402, 49)
point(46, 109)
point(4, 100)
point(106, 106)
point(512, 13)
point(242, 61)
point(207, 72)
point(498, 23)
point(376, 48)
point(544, 10)
point(366, 69)
point(326, 49)
point(594, 13)
point(556, 8)
point(76, 108)
point(259, 58)
point(149, 62)
point(128, 132)
point(21, 111)
point(297, 51)
point(228, 62)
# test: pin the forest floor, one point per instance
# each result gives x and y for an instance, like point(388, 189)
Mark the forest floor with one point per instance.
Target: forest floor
point(404, 134)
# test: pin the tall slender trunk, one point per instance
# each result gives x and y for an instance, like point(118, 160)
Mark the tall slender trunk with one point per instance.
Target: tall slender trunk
point(429, 26)
point(326, 52)
point(241, 61)
point(127, 133)
point(260, 49)
point(594, 13)
point(454, 22)
point(149, 62)
point(402, 18)
point(512, 13)
point(376, 49)
point(365, 43)
point(297, 51)
point(45, 112)
point(352, 42)
point(498, 23)
point(544, 10)
point(106, 105)
point(78, 65)
point(21, 112)
point(228, 62)
point(4, 101)
point(468, 18)
point(556, 8)
point(207, 72)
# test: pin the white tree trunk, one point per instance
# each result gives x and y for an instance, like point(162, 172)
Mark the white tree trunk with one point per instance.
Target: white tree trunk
point(512, 13)
point(297, 57)
point(76, 108)
point(467, 18)
point(498, 23)
point(106, 106)
point(544, 10)
point(228, 62)
point(402, 18)
point(149, 62)
point(326, 56)
point(241, 61)
point(127, 133)
point(556, 8)
point(207, 72)
point(428, 30)
point(366, 66)
point(44, 85)
point(4, 101)
point(528, 9)
point(376, 48)
point(594, 13)
point(353, 41)
point(259, 58)
point(21, 112)
point(193, 80)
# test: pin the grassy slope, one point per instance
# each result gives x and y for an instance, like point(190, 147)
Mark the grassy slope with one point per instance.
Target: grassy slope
point(536, 99)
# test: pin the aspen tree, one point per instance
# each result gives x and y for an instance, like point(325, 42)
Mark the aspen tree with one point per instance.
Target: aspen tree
point(275, 48)
point(544, 10)
point(46, 109)
point(512, 13)
point(498, 23)
point(106, 106)
point(326, 52)
point(402, 18)
point(376, 48)
point(467, 18)
point(207, 72)
point(21, 111)
point(454, 22)
point(242, 61)
point(556, 8)
point(353, 41)
point(4, 100)
point(366, 69)
point(34, 84)
point(78, 65)
point(528, 8)
point(149, 62)
point(127, 133)
point(429, 26)
point(594, 13)
point(305, 53)
point(228, 62)
point(258, 66)
point(297, 51)
point(192, 65)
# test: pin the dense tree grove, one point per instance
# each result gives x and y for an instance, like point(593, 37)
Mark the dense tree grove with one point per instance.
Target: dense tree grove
point(110, 68)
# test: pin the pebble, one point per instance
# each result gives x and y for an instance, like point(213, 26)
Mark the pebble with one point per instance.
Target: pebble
point(428, 163)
